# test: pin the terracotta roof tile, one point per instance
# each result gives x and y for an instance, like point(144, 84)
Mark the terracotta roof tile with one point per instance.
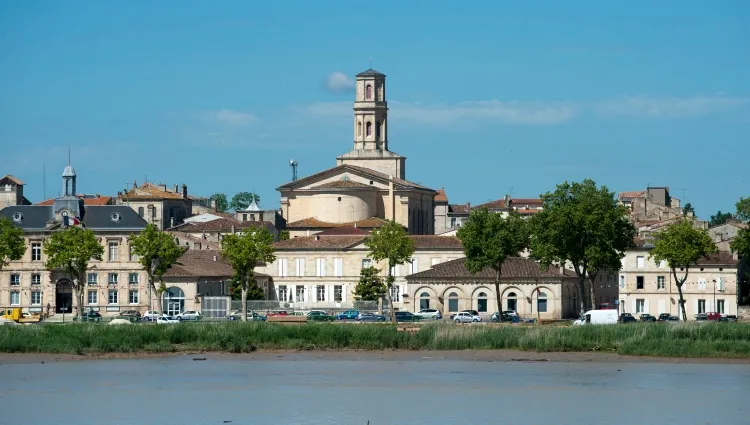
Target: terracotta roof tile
point(513, 268)
point(398, 183)
point(12, 178)
point(459, 209)
point(221, 225)
point(343, 231)
point(202, 263)
point(96, 201)
point(150, 191)
point(314, 223)
point(718, 259)
point(436, 242)
point(440, 196)
point(319, 242)
point(633, 194)
point(517, 202)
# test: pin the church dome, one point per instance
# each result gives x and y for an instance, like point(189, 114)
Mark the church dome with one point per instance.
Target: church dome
point(69, 172)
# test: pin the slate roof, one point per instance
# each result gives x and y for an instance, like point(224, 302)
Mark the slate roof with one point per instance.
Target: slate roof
point(513, 268)
point(221, 225)
point(200, 263)
point(36, 217)
point(370, 72)
point(314, 223)
point(365, 172)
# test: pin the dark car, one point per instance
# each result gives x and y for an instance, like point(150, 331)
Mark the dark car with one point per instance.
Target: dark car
point(666, 317)
point(89, 316)
point(627, 318)
point(348, 315)
point(407, 316)
point(505, 317)
point(319, 316)
point(728, 318)
point(370, 317)
point(645, 317)
point(701, 317)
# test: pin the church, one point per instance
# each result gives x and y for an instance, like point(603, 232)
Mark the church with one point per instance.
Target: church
point(368, 185)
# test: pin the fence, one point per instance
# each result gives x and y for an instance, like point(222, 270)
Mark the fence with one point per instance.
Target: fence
point(263, 305)
point(215, 307)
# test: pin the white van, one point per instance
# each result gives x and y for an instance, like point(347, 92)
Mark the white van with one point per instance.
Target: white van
point(598, 317)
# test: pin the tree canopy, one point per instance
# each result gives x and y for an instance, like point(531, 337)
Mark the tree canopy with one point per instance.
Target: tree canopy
point(370, 286)
point(244, 251)
point(157, 252)
point(687, 209)
point(719, 218)
point(221, 201)
point(391, 244)
point(582, 224)
point(242, 200)
point(489, 239)
point(12, 246)
point(681, 245)
point(743, 209)
point(70, 250)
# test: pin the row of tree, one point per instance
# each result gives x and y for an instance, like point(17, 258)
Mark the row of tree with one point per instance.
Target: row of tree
point(240, 201)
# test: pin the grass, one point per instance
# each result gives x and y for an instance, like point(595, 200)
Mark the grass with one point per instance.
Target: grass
point(722, 340)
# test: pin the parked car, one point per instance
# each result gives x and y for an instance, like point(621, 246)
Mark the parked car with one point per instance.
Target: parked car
point(131, 313)
point(348, 315)
point(430, 314)
point(627, 318)
point(150, 316)
point(598, 317)
point(645, 317)
point(666, 317)
point(713, 316)
point(166, 320)
point(89, 316)
point(189, 315)
point(472, 312)
point(466, 317)
point(370, 317)
point(728, 318)
point(407, 316)
point(505, 317)
point(701, 317)
point(251, 316)
point(319, 316)
point(278, 313)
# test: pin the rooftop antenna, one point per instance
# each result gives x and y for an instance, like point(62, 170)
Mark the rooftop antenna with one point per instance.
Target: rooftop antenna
point(510, 192)
point(682, 195)
point(294, 164)
point(44, 178)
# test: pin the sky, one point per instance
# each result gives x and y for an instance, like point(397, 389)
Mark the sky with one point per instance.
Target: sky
point(486, 98)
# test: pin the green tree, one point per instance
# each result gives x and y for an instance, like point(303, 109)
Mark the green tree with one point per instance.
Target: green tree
point(391, 244)
point(157, 252)
point(254, 291)
point(719, 219)
point(681, 245)
point(244, 251)
point(12, 246)
point(370, 286)
point(582, 224)
point(743, 209)
point(687, 209)
point(242, 200)
point(221, 201)
point(489, 239)
point(284, 235)
point(70, 250)
point(741, 243)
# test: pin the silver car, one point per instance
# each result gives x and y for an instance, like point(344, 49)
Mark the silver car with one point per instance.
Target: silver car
point(466, 317)
point(430, 314)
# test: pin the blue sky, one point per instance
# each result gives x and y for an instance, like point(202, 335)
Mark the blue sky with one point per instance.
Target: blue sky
point(485, 97)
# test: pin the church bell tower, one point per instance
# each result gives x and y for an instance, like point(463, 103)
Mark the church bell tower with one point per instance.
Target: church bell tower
point(370, 112)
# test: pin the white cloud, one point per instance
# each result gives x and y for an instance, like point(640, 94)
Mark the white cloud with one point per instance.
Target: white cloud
point(515, 112)
point(670, 107)
point(338, 82)
point(230, 117)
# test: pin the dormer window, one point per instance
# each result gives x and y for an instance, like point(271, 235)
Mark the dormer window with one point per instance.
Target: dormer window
point(115, 216)
point(17, 217)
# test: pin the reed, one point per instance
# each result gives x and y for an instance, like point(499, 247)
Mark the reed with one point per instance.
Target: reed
point(726, 340)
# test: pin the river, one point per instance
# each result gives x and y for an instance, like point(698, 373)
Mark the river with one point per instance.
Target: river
point(415, 389)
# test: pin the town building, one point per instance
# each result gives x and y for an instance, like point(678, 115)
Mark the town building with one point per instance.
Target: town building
point(648, 287)
point(157, 204)
point(215, 230)
point(724, 234)
point(367, 185)
point(525, 207)
point(651, 205)
point(93, 199)
point(254, 212)
point(449, 217)
point(11, 192)
point(115, 283)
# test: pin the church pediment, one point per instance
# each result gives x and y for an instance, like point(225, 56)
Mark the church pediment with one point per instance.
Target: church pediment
point(349, 177)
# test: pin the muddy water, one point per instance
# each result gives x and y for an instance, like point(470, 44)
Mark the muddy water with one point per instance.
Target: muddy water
point(178, 390)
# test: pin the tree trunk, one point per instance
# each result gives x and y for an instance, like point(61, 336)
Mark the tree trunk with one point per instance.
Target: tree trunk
point(582, 291)
point(592, 291)
point(497, 293)
point(159, 303)
point(682, 302)
point(78, 294)
point(244, 299)
point(389, 288)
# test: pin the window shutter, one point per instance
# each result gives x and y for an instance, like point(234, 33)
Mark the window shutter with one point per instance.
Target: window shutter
point(321, 267)
point(337, 267)
point(722, 284)
point(645, 306)
point(281, 269)
point(285, 266)
point(414, 266)
point(343, 293)
point(695, 306)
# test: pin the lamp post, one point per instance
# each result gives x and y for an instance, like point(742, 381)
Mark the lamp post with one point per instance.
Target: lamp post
point(714, 308)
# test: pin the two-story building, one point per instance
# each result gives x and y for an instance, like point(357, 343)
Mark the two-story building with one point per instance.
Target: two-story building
point(648, 287)
point(157, 204)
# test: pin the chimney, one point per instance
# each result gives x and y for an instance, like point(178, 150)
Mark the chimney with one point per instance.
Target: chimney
point(135, 184)
point(184, 191)
point(176, 189)
point(163, 187)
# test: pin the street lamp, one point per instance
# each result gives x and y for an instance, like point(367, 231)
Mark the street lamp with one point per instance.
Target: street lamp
point(714, 307)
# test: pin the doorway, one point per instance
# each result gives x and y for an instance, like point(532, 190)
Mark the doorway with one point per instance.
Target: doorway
point(64, 296)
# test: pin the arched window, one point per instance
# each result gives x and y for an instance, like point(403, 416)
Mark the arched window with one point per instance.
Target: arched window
point(368, 92)
point(368, 129)
point(173, 301)
point(377, 131)
point(140, 211)
point(541, 302)
point(359, 129)
point(512, 301)
point(482, 302)
point(453, 302)
point(424, 301)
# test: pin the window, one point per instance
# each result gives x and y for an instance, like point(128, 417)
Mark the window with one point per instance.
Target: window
point(701, 306)
point(153, 211)
point(133, 297)
point(368, 92)
point(512, 301)
point(300, 266)
point(173, 301)
point(283, 293)
point(453, 222)
point(133, 255)
point(702, 284)
point(140, 211)
point(424, 301)
point(394, 270)
point(452, 302)
point(338, 267)
point(321, 267)
point(92, 297)
point(396, 293)
point(414, 266)
point(112, 278)
point(36, 251)
point(368, 129)
point(541, 302)
point(639, 282)
point(252, 217)
point(378, 126)
point(114, 249)
point(366, 262)
point(359, 129)
point(660, 282)
point(36, 279)
point(244, 217)
point(15, 298)
point(338, 293)
point(93, 279)
point(640, 262)
point(482, 302)
point(15, 279)
point(640, 306)
point(283, 267)
point(300, 292)
point(320, 292)
point(720, 306)
point(133, 278)
point(721, 284)
point(36, 298)
point(622, 281)
point(112, 296)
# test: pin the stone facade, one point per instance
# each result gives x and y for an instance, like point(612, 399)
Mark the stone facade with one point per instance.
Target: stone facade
point(724, 234)
point(11, 192)
point(648, 287)
point(651, 205)
point(448, 217)
point(157, 204)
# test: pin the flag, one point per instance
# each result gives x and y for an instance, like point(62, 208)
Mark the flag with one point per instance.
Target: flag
point(70, 221)
point(75, 222)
